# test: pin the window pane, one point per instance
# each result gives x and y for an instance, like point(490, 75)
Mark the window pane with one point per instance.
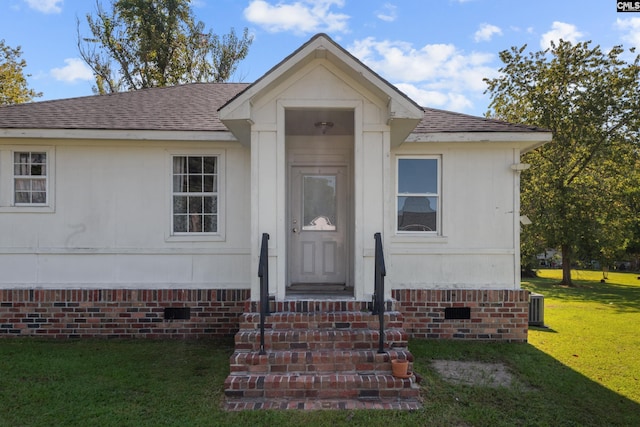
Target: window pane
point(39, 197)
point(180, 183)
point(179, 165)
point(210, 223)
point(21, 158)
point(38, 170)
point(180, 223)
point(208, 205)
point(195, 223)
point(23, 184)
point(417, 213)
point(210, 165)
point(417, 176)
point(319, 202)
point(195, 165)
point(179, 204)
point(210, 184)
point(195, 205)
point(22, 197)
point(39, 158)
point(195, 183)
point(38, 185)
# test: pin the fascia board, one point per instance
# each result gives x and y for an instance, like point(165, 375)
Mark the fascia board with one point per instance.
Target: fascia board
point(135, 135)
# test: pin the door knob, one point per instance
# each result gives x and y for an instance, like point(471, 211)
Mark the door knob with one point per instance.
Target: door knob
point(295, 229)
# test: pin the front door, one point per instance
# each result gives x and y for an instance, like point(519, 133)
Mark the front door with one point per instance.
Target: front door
point(318, 226)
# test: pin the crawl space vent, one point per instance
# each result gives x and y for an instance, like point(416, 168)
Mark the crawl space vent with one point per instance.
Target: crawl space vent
point(177, 313)
point(452, 313)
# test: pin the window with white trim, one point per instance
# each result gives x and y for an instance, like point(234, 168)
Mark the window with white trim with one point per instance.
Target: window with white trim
point(418, 195)
point(195, 194)
point(30, 183)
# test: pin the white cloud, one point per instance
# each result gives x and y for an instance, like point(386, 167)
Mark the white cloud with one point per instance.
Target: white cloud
point(560, 30)
point(631, 27)
point(388, 13)
point(45, 6)
point(300, 17)
point(437, 75)
point(75, 69)
point(486, 32)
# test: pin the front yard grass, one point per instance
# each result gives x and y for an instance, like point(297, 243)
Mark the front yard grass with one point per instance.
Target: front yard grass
point(582, 371)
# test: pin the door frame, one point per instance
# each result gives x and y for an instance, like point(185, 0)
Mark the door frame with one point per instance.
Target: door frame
point(333, 154)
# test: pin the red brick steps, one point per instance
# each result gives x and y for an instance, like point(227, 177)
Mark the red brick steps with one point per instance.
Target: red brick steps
point(321, 386)
point(319, 360)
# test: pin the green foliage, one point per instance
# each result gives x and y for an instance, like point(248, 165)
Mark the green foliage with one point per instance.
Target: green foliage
point(13, 82)
point(150, 43)
point(576, 192)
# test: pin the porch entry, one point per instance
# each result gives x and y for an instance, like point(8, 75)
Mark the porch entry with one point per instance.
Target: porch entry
point(319, 230)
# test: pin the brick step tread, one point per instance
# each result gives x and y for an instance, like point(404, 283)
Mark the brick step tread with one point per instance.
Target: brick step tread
point(318, 339)
point(348, 319)
point(322, 361)
point(311, 305)
point(323, 386)
point(322, 404)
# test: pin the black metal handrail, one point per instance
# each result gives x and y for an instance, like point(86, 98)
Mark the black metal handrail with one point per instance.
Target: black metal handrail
point(378, 293)
point(263, 274)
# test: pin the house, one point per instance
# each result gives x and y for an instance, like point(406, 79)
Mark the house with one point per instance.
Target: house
point(142, 213)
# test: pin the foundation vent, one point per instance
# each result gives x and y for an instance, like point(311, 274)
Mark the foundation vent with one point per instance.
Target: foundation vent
point(459, 313)
point(177, 313)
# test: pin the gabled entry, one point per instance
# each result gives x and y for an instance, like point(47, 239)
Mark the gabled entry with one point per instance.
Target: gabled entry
point(320, 126)
point(319, 147)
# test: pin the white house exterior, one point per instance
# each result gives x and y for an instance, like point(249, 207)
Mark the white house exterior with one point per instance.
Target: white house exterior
point(114, 208)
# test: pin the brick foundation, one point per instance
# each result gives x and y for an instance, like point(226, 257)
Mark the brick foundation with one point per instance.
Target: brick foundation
point(500, 315)
point(120, 313)
point(127, 313)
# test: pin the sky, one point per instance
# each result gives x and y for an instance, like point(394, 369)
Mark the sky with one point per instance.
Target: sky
point(435, 51)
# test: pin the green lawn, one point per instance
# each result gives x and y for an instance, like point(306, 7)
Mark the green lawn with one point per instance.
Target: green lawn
point(593, 327)
point(584, 370)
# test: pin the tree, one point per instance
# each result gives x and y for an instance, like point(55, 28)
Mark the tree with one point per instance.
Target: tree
point(13, 82)
point(575, 190)
point(150, 43)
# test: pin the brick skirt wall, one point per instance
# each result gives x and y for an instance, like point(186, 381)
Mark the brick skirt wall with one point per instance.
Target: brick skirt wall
point(500, 315)
point(121, 313)
point(134, 313)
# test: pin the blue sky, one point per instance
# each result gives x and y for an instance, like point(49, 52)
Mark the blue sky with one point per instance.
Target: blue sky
point(436, 51)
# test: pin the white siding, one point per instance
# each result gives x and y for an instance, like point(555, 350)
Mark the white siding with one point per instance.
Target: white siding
point(476, 246)
point(111, 224)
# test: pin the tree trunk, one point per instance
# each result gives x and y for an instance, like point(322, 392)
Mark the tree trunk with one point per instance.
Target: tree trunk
point(566, 265)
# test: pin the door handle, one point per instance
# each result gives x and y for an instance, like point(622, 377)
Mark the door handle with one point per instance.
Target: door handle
point(295, 229)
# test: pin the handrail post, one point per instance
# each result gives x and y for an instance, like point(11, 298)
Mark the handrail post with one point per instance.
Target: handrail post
point(379, 274)
point(263, 274)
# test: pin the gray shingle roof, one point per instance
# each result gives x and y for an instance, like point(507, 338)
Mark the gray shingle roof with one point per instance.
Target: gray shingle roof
point(191, 107)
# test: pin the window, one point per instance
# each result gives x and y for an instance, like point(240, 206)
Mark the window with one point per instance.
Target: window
point(418, 195)
point(30, 178)
point(195, 194)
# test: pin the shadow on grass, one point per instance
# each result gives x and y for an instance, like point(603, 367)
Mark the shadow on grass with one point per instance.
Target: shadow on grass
point(545, 391)
point(622, 297)
point(543, 329)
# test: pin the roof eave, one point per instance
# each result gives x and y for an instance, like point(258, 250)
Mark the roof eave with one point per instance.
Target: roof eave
point(133, 134)
point(526, 140)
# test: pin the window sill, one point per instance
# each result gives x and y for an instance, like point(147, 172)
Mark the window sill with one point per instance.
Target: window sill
point(27, 209)
point(195, 238)
point(419, 238)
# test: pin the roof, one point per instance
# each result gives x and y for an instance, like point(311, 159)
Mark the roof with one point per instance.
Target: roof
point(190, 107)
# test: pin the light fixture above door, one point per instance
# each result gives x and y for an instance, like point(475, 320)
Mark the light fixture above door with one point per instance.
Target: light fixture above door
point(323, 126)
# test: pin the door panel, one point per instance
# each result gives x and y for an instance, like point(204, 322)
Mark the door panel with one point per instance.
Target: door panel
point(318, 212)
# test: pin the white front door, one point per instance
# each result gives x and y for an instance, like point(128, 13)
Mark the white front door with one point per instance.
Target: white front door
point(319, 229)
